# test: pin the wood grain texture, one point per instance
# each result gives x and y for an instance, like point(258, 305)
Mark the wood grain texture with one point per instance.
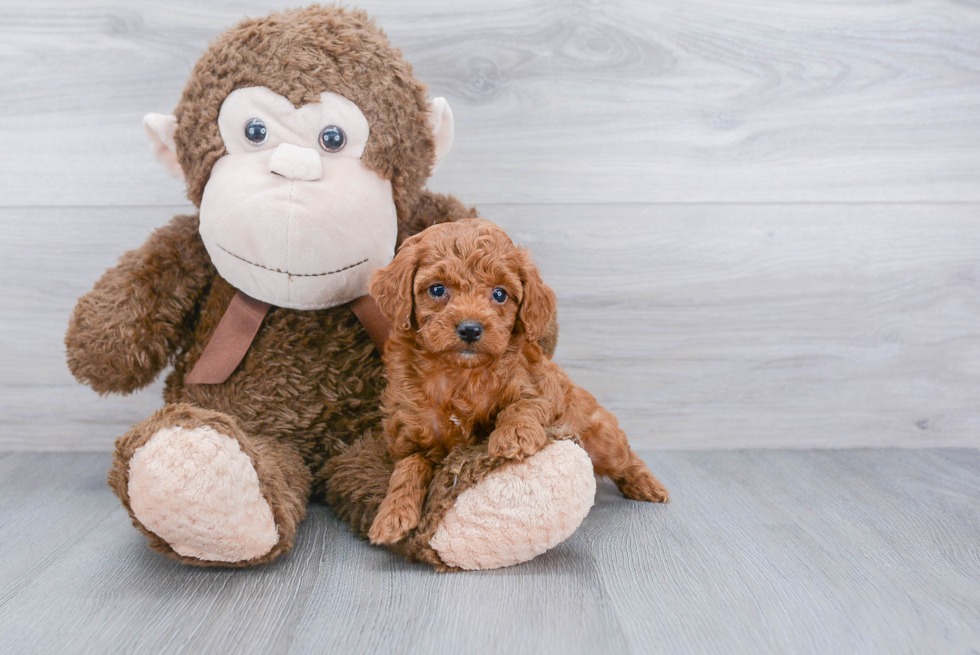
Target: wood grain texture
point(555, 101)
point(700, 326)
point(758, 552)
point(769, 326)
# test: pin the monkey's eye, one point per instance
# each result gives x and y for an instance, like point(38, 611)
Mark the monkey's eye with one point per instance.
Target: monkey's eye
point(332, 138)
point(437, 291)
point(499, 295)
point(256, 131)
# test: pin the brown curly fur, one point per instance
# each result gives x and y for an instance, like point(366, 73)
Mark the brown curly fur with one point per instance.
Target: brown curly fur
point(310, 383)
point(444, 392)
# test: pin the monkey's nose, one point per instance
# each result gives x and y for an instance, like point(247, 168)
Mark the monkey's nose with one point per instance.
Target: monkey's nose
point(296, 163)
point(469, 331)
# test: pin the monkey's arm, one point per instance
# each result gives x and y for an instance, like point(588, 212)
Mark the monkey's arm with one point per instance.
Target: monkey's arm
point(126, 329)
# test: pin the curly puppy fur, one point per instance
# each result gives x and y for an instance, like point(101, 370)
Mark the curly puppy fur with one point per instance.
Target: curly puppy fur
point(464, 364)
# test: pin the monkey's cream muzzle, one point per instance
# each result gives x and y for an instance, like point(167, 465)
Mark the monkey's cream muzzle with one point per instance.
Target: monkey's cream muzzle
point(287, 221)
point(293, 241)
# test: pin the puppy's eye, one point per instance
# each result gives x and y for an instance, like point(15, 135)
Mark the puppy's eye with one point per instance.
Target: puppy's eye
point(256, 131)
point(499, 295)
point(437, 291)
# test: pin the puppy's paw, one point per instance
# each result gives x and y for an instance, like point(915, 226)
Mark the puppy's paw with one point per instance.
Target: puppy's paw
point(643, 486)
point(393, 523)
point(517, 441)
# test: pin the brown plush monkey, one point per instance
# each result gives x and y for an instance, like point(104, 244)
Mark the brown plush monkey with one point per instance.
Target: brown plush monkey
point(305, 142)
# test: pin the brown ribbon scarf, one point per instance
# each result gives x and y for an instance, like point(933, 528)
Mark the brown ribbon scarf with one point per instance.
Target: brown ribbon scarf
point(241, 322)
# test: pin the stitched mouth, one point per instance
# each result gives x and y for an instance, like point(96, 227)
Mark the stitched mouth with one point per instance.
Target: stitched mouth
point(277, 270)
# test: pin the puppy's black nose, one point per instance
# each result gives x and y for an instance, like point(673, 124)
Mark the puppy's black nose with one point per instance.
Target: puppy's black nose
point(469, 331)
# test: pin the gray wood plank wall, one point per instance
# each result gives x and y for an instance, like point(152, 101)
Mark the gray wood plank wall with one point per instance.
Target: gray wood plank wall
point(761, 219)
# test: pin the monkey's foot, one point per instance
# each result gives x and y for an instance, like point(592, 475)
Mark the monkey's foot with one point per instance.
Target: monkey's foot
point(197, 490)
point(519, 510)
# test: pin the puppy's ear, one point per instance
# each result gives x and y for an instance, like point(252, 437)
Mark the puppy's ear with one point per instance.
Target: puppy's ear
point(391, 286)
point(538, 304)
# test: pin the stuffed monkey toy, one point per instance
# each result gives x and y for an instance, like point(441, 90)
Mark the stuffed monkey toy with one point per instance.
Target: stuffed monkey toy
point(305, 142)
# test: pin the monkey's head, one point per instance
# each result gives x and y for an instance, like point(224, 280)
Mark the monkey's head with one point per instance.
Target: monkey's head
point(303, 138)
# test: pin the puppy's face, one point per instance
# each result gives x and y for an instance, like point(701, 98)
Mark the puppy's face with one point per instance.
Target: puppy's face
point(466, 302)
point(466, 290)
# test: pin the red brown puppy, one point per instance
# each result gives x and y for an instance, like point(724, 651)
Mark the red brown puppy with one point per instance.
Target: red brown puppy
point(463, 363)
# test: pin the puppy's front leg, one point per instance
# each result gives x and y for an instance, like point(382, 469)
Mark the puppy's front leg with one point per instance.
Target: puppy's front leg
point(520, 429)
point(401, 509)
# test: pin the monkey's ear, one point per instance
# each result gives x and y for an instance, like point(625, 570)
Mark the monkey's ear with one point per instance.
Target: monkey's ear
point(392, 285)
point(441, 123)
point(539, 302)
point(160, 131)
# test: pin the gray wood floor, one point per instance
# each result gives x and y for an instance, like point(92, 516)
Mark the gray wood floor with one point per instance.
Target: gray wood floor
point(861, 551)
